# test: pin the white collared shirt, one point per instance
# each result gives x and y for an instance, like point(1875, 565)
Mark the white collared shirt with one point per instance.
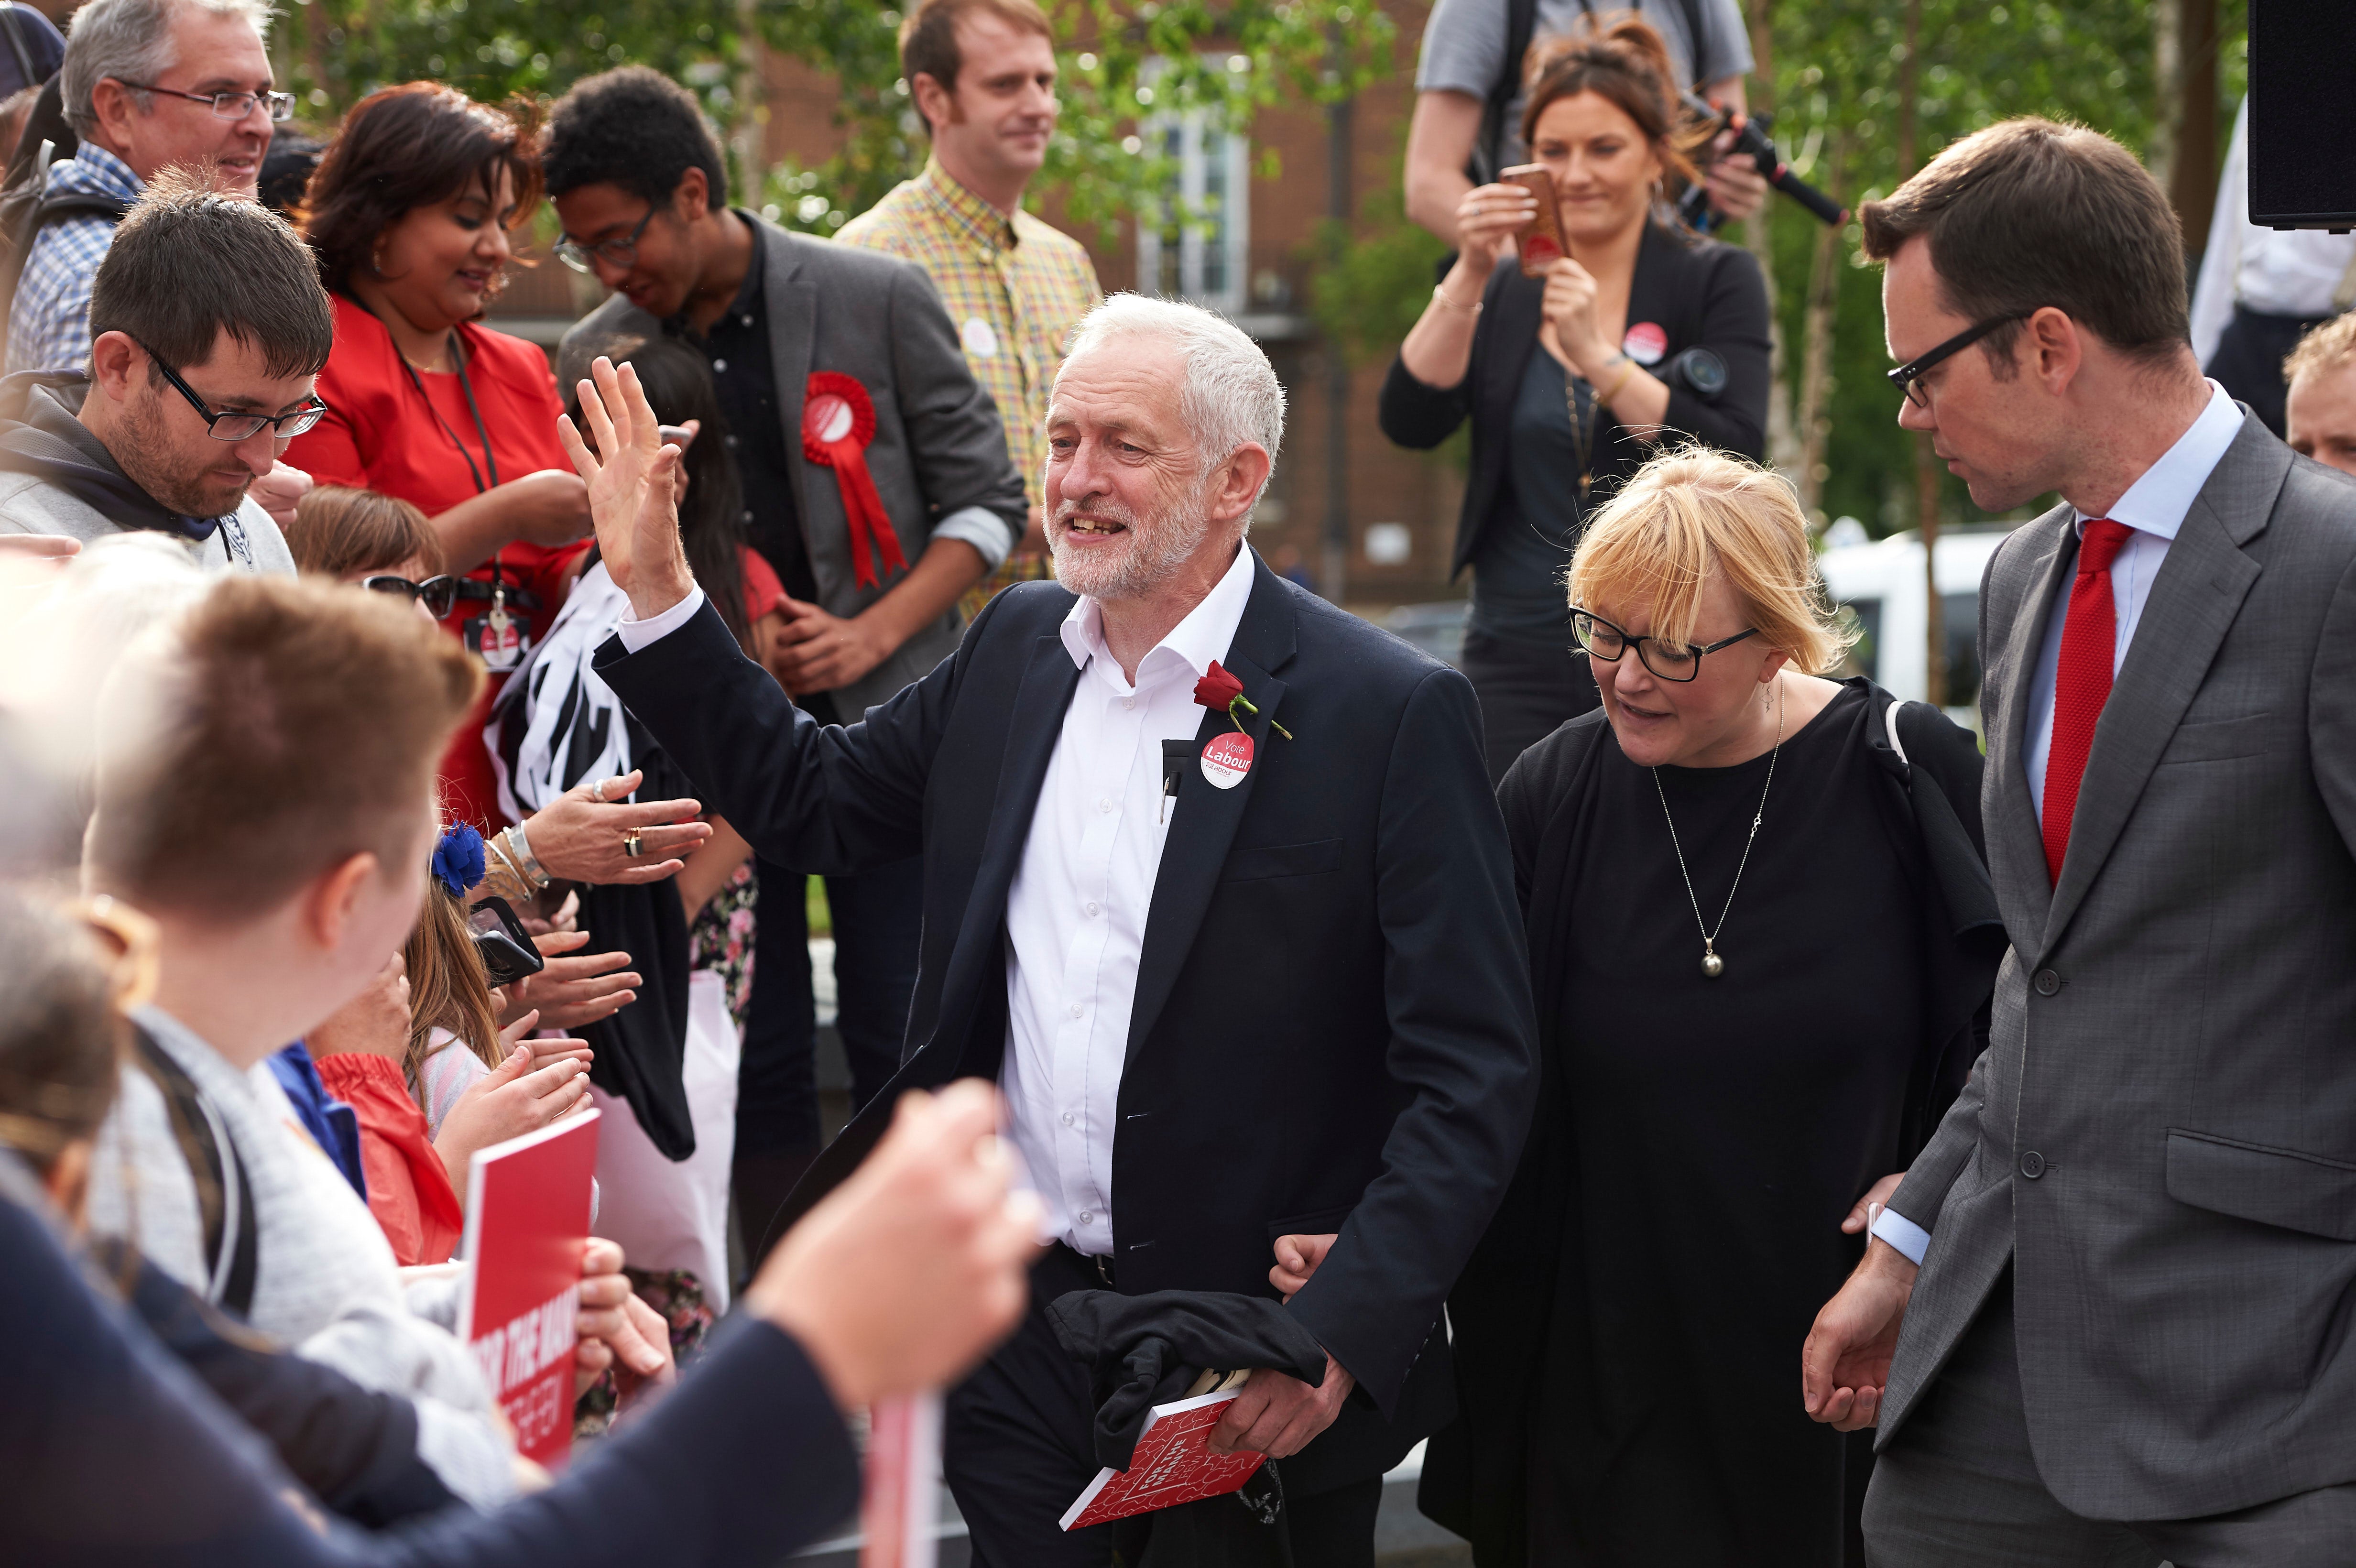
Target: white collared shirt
point(2154, 510)
point(1075, 913)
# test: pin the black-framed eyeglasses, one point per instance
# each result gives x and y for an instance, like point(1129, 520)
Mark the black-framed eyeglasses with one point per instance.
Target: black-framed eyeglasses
point(1670, 661)
point(582, 258)
point(1908, 378)
point(438, 595)
point(236, 425)
point(228, 106)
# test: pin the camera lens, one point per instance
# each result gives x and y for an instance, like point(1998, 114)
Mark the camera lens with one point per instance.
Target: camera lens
point(1700, 372)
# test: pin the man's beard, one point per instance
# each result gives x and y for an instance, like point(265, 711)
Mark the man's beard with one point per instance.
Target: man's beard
point(144, 434)
point(1158, 548)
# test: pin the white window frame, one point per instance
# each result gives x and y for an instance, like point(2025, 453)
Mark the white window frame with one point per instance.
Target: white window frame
point(1232, 242)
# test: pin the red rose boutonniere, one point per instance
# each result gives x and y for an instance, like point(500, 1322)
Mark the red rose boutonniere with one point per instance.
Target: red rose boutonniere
point(1224, 693)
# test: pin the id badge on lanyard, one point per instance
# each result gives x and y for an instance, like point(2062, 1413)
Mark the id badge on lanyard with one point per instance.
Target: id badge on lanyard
point(498, 639)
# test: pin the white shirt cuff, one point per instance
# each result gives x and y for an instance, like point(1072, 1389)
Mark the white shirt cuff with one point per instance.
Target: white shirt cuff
point(636, 634)
point(1902, 1234)
point(980, 527)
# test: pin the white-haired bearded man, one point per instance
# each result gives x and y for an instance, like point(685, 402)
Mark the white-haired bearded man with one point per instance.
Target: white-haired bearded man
point(1249, 974)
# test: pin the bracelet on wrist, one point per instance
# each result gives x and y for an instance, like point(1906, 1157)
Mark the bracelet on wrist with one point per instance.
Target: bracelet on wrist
point(1440, 292)
point(519, 850)
point(1619, 384)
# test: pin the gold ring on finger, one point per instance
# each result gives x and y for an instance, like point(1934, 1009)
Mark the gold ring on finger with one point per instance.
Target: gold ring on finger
point(632, 843)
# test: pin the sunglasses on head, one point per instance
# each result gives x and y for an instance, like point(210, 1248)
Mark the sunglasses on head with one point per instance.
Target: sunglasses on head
point(438, 595)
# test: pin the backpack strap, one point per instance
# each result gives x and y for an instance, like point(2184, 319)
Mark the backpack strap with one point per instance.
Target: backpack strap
point(68, 204)
point(1692, 9)
point(1521, 25)
point(13, 26)
point(224, 1198)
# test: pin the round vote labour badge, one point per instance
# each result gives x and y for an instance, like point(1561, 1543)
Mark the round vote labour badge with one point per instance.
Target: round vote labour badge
point(1227, 760)
point(1645, 343)
point(978, 337)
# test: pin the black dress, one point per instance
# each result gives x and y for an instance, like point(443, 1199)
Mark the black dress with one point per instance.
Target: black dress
point(1700, 1139)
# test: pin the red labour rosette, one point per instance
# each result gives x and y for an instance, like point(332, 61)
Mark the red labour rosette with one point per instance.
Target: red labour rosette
point(838, 421)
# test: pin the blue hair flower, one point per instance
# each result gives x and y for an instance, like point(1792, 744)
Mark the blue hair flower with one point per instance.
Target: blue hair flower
point(458, 859)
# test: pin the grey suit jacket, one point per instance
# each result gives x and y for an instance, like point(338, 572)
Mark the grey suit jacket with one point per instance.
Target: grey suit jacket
point(2161, 1135)
point(939, 457)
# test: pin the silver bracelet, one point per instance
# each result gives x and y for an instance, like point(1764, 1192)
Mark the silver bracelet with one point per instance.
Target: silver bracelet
point(520, 848)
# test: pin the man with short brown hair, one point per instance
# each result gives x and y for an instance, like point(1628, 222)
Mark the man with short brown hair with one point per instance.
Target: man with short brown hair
point(2320, 413)
point(2101, 1320)
point(265, 796)
point(210, 329)
point(983, 75)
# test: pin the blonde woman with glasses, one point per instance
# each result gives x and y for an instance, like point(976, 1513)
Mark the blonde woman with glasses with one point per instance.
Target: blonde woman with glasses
point(1761, 941)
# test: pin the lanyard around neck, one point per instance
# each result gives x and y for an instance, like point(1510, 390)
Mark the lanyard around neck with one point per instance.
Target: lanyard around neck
point(482, 433)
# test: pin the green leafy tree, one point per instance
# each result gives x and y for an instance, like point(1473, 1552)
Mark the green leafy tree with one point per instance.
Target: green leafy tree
point(1124, 64)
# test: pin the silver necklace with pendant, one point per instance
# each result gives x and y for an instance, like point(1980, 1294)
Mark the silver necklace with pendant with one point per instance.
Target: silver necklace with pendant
point(1712, 966)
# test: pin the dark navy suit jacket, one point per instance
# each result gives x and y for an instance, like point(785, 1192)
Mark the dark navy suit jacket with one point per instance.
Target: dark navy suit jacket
point(1331, 1029)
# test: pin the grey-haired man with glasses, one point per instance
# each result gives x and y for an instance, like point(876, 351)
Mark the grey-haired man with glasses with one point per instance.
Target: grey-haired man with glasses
point(208, 330)
point(148, 85)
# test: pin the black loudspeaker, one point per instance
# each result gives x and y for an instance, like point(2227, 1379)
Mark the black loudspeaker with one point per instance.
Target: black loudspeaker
point(2302, 93)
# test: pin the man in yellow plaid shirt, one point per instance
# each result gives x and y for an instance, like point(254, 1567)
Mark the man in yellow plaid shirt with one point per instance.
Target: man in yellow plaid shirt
point(983, 75)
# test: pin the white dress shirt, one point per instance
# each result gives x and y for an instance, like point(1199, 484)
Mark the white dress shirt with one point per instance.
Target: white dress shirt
point(2275, 271)
point(1075, 913)
point(2154, 509)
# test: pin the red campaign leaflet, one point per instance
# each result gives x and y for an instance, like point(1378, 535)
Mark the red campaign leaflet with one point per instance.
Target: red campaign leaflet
point(904, 1480)
point(527, 1217)
point(1173, 1465)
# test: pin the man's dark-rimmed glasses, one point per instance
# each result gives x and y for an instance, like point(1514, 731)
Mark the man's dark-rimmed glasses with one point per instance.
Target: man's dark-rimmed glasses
point(1908, 378)
point(622, 253)
point(1670, 661)
point(228, 106)
point(236, 425)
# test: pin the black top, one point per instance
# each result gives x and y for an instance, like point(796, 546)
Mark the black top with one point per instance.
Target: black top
point(1639, 1304)
point(1332, 1027)
point(747, 380)
point(1700, 294)
point(1517, 568)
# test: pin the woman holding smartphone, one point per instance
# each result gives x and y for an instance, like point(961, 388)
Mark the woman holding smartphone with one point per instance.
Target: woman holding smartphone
point(1643, 334)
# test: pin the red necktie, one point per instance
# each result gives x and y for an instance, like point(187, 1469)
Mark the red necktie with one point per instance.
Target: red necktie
point(2082, 680)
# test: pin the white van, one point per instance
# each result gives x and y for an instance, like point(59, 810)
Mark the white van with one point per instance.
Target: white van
point(1881, 582)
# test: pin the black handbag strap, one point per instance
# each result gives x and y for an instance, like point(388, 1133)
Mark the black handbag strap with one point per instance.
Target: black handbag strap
point(194, 1129)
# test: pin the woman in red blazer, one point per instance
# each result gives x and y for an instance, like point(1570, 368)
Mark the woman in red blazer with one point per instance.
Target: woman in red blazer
point(409, 213)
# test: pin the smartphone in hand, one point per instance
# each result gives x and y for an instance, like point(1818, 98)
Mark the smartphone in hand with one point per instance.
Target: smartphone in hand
point(1542, 242)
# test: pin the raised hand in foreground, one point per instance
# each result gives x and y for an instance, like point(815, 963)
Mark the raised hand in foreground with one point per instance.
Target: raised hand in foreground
point(907, 1273)
point(633, 492)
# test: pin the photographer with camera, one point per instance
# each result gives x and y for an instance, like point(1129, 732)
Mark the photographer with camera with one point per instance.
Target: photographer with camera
point(1637, 332)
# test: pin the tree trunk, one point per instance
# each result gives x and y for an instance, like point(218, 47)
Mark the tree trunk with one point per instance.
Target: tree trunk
point(1813, 415)
point(2192, 184)
point(752, 136)
point(1759, 237)
point(2167, 84)
point(1926, 466)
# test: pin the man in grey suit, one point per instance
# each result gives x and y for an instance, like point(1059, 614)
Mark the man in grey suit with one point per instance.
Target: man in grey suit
point(797, 331)
point(2135, 1231)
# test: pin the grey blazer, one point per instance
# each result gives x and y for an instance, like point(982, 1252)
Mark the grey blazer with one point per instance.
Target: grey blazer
point(2161, 1135)
point(939, 457)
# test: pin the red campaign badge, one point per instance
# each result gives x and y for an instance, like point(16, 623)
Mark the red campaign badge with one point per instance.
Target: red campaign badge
point(1227, 759)
point(1645, 343)
point(838, 421)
